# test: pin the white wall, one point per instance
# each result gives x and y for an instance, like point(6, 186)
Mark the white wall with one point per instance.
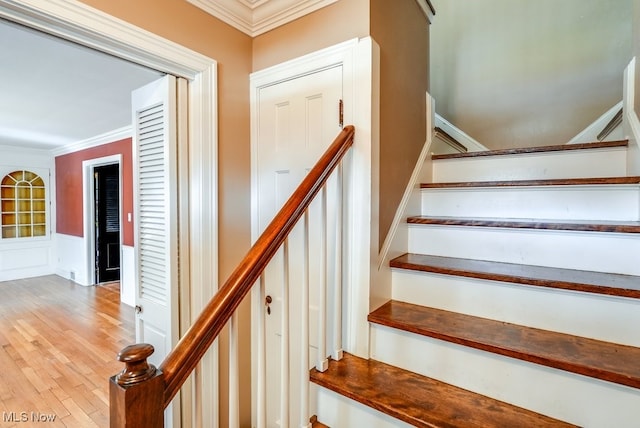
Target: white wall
point(29, 257)
point(515, 73)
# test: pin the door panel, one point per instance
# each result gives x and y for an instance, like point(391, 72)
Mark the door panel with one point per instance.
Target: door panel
point(298, 119)
point(107, 198)
point(155, 211)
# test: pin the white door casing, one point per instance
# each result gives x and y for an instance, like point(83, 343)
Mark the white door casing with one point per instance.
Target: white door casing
point(89, 209)
point(358, 60)
point(90, 27)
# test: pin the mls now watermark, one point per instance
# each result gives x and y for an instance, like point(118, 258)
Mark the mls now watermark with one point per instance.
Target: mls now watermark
point(27, 417)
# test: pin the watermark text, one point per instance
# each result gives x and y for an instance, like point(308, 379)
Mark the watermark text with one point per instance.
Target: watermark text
point(17, 417)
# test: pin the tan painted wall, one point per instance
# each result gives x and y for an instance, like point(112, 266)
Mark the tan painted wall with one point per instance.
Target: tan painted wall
point(402, 32)
point(404, 80)
point(341, 21)
point(189, 26)
point(518, 72)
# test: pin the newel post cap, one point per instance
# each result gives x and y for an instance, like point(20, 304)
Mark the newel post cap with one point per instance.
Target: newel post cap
point(136, 369)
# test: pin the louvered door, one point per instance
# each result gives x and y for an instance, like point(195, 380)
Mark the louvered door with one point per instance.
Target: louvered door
point(155, 157)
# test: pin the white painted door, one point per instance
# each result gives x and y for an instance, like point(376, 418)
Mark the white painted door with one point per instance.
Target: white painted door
point(297, 120)
point(155, 217)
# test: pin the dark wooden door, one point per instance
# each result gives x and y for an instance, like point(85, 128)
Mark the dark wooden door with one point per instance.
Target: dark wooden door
point(107, 205)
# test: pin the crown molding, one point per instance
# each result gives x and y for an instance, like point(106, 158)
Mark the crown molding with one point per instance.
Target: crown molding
point(106, 138)
point(254, 17)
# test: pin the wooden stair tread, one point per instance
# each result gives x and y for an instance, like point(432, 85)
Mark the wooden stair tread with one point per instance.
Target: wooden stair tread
point(316, 424)
point(538, 149)
point(531, 183)
point(421, 401)
point(542, 276)
point(572, 225)
point(601, 360)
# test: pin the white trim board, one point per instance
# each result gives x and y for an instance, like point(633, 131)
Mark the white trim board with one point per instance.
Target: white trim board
point(630, 121)
point(90, 27)
point(471, 144)
point(427, 10)
point(590, 133)
point(395, 244)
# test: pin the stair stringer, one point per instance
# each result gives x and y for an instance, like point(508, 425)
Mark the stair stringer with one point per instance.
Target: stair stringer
point(396, 241)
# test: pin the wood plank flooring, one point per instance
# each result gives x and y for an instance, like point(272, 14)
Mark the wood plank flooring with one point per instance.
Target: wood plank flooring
point(59, 343)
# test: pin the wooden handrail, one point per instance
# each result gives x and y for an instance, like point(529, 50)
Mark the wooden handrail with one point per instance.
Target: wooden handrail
point(448, 139)
point(182, 360)
point(609, 127)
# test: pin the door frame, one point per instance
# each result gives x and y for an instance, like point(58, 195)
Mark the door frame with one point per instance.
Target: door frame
point(360, 61)
point(89, 217)
point(78, 22)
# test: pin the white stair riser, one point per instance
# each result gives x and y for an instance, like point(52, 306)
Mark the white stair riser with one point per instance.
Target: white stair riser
point(618, 202)
point(595, 251)
point(533, 166)
point(566, 396)
point(611, 319)
point(336, 410)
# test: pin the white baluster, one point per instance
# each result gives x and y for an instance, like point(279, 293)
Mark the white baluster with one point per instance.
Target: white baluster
point(337, 280)
point(234, 373)
point(284, 360)
point(323, 362)
point(304, 329)
point(261, 381)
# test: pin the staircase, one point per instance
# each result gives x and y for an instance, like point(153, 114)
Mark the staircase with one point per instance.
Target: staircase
point(517, 304)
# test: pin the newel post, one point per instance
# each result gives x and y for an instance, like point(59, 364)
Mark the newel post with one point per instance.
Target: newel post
point(136, 394)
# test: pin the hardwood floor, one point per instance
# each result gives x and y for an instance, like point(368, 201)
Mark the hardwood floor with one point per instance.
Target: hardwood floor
point(59, 344)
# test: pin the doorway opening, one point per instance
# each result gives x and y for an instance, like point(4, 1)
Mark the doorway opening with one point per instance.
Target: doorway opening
point(106, 185)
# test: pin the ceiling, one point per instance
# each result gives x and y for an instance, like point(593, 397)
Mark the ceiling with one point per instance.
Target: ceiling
point(57, 93)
